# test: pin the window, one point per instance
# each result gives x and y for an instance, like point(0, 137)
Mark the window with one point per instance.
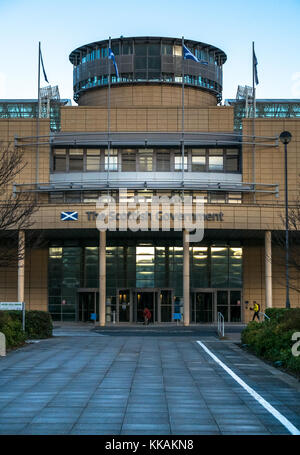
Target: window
point(144, 195)
point(127, 49)
point(198, 160)
point(76, 160)
point(234, 198)
point(178, 162)
point(232, 160)
point(59, 160)
point(167, 49)
point(56, 197)
point(89, 196)
point(111, 163)
point(235, 267)
point(163, 161)
point(219, 267)
point(115, 48)
point(129, 160)
point(92, 160)
point(177, 50)
point(154, 49)
point(73, 196)
point(145, 160)
point(140, 63)
point(215, 160)
point(217, 198)
point(140, 49)
point(200, 194)
point(154, 63)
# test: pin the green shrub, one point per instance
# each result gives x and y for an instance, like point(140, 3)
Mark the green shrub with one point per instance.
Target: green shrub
point(277, 314)
point(272, 339)
point(12, 329)
point(38, 324)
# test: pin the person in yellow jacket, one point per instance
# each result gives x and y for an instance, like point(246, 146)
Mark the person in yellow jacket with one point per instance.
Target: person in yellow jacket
point(256, 309)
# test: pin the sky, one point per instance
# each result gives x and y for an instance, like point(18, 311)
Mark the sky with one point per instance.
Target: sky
point(232, 25)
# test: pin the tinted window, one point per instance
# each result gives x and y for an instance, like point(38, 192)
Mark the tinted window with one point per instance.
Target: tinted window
point(232, 160)
point(76, 160)
point(59, 160)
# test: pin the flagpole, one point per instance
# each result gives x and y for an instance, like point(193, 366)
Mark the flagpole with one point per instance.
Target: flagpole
point(38, 118)
point(108, 117)
point(182, 117)
point(253, 123)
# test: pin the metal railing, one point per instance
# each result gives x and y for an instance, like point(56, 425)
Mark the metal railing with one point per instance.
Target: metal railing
point(264, 315)
point(100, 184)
point(220, 320)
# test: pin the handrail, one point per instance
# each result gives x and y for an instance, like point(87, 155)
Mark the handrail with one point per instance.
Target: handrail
point(265, 316)
point(220, 324)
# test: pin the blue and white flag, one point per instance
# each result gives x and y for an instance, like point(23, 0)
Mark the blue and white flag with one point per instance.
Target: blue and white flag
point(255, 62)
point(69, 216)
point(111, 55)
point(43, 68)
point(187, 54)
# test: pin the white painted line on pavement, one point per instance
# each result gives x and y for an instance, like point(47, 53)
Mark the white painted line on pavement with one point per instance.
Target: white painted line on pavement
point(285, 422)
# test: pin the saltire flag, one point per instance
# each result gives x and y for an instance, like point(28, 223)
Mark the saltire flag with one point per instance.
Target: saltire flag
point(45, 75)
point(255, 62)
point(69, 216)
point(111, 55)
point(187, 54)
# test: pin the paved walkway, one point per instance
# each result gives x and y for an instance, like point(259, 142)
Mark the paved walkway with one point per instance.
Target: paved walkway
point(111, 383)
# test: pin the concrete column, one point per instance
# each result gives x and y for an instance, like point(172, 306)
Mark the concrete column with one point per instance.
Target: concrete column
point(268, 268)
point(186, 279)
point(21, 265)
point(102, 278)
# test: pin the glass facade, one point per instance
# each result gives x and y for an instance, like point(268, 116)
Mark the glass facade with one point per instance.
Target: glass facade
point(146, 60)
point(91, 197)
point(146, 160)
point(29, 109)
point(142, 266)
point(264, 109)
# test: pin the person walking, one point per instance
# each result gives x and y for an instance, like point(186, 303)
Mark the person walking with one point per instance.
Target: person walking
point(256, 309)
point(147, 315)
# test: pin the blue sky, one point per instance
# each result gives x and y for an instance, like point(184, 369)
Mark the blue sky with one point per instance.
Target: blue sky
point(231, 25)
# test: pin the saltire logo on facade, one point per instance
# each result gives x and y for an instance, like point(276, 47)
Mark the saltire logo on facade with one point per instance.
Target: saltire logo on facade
point(255, 63)
point(111, 56)
point(187, 54)
point(69, 216)
point(43, 68)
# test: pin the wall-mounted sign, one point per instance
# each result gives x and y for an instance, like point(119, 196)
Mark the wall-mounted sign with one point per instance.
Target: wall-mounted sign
point(69, 216)
point(11, 306)
point(92, 216)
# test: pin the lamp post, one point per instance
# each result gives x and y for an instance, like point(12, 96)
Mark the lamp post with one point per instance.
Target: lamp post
point(285, 137)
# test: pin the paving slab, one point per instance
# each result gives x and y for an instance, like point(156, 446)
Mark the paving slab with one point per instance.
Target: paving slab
point(85, 381)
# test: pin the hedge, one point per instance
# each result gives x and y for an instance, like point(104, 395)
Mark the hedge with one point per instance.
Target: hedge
point(12, 329)
point(272, 339)
point(38, 325)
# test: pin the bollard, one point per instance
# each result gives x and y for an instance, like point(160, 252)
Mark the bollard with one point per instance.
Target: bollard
point(2, 345)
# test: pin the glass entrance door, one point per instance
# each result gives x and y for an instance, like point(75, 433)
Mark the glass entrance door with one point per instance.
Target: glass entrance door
point(202, 307)
point(145, 299)
point(87, 304)
point(123, 310)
